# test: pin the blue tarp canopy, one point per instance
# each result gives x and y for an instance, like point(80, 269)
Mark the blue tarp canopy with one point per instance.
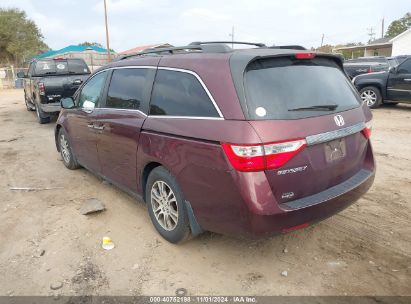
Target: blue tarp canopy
point(71, 48)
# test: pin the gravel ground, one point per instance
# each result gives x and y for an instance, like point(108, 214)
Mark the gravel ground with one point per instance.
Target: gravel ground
point(48, 248)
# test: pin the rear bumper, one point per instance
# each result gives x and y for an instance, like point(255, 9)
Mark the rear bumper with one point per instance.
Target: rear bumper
point(312, 209)
point(247, 209)
point(50, 107)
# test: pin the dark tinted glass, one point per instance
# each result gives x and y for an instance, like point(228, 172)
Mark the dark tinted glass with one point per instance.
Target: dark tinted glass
point(48, 67)
point(276, 88)
point(91, 92)
point(180, 94)
point(126, 88)
point(76, 66)
point(370, 59)
point(405, 67)
point(55, 67)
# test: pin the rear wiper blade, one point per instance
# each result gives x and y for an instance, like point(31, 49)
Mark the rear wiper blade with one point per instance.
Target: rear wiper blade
point(327, 107)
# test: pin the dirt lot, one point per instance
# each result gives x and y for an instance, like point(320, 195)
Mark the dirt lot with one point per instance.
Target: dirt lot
point(44, 240)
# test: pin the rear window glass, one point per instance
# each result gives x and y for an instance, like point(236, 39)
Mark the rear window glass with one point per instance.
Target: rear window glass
point(379, 67)
point(180, 94)
point(52, 67)
point(370, 59)
point(288, 88)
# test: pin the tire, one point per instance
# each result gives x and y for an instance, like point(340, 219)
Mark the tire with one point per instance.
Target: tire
point(42, 117)
point(177, 228)
point(26, 101)
point(66, 151)
point(371, 96)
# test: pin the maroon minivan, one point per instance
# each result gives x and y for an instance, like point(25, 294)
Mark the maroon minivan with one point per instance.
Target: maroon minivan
point(245, 142)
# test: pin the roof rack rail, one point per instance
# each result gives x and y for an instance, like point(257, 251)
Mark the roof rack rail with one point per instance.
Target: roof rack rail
point(227, 42)
point(215, 48)
point(289, 47)
point(158, 51)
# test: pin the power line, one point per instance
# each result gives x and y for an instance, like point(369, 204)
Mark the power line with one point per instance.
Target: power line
point(371, 33)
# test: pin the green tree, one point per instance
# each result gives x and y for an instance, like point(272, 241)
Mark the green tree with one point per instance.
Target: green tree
point(86, 43)
point(398, 26)
point(20, 38)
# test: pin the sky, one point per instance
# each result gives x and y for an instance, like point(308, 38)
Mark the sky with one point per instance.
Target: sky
point(141, 22)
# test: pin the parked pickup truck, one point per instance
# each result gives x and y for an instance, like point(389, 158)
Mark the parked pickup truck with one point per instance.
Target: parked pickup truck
point(364, 65)
point(391, 87)
point(49, 80)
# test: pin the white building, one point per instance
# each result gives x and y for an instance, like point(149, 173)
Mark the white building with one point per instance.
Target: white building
point(399, 45)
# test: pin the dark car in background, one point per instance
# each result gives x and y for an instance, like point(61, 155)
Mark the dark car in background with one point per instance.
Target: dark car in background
point(394, 61)
point(364, 65)
point(244, 142)
point(389, 87)
point(49, 80)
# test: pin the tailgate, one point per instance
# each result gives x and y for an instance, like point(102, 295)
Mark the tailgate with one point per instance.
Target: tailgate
point(329, 158)
point(310, 120)
point(57, 87)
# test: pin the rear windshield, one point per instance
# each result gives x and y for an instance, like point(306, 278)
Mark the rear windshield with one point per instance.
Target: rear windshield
point(288, 88)
point(59, 67)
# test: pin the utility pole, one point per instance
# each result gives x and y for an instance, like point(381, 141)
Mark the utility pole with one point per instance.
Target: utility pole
point(322, 40)
point(107, 38)
point(371, 33)
point(382, 28)
point(232, 37)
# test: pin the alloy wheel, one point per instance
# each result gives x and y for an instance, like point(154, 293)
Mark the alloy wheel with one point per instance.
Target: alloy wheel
point(164, 205)
point(370, 97)
point(64, 147)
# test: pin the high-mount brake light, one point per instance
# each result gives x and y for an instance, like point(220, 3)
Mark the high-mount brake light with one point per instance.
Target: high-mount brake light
point(262, 157)
point(367, 130)
point(305, 55)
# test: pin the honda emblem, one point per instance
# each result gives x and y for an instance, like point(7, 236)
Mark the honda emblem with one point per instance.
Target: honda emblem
point(339, 120)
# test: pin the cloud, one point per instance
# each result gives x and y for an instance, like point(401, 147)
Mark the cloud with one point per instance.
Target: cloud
point(204, 13)
point(139, 22)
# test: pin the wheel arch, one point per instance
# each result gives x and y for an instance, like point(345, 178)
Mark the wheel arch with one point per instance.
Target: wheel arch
point(150, 166)
point(376, 84)
point(56, 134)
point(195, 227)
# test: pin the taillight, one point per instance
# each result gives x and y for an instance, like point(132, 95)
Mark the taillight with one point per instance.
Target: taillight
point(41, 88)
point(367, 130)
point(304, 55)
point(369, 70)
point(262, 157)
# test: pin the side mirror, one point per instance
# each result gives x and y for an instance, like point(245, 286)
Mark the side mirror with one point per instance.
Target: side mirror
point(21, 75)
point(67, 103)
point(392, 70)
point(88, 106)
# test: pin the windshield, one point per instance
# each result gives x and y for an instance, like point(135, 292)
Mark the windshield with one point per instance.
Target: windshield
point(288, 88)
point(61, 67)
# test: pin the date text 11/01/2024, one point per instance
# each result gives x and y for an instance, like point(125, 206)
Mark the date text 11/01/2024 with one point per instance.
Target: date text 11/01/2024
point(203, 299)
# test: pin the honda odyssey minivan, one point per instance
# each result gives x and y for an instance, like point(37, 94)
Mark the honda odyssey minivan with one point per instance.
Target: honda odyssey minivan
point(246, 142)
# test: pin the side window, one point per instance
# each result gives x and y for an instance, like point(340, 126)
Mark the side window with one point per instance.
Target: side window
point(91, 92)
point(126, 89)
point(31, 68)
point(180, 94)
point(405, 67)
